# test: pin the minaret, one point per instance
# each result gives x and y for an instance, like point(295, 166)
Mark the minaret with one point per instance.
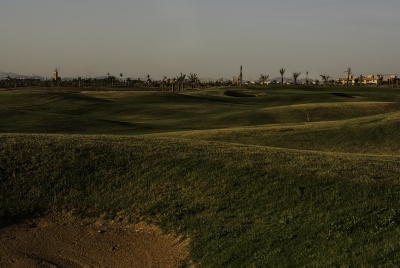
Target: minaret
point(55, 75)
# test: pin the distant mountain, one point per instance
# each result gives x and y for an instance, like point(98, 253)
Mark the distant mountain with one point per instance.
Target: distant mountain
point(13, 75)
point(278, 79)
point(208, 79)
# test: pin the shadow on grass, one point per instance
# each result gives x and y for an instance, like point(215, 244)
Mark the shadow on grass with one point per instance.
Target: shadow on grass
point(342, 95)
point(347, 95)
point(232, 93)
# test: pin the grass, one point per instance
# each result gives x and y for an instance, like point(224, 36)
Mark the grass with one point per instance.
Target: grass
point(377, 134)
point(248, 180)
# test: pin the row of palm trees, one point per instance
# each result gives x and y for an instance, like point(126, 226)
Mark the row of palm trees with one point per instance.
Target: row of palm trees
point(328, 80)
point(177, 83)
point(295, 75)
point(180, 82)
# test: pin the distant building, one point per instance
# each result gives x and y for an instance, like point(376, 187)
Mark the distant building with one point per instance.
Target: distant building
point(371, 80)
point(55, 75)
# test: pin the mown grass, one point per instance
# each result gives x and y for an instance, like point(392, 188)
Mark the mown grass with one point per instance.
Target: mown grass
point(125, 112)
point(238, 204)
point(249, 180)
point(377, 134)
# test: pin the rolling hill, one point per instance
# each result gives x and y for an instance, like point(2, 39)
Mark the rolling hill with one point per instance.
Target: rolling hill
point(293, 176)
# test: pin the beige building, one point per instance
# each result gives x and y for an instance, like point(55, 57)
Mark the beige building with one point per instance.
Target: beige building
point(55, 75)
point(369, 80)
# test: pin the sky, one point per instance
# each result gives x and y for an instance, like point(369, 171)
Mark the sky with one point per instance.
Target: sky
point(90, 38)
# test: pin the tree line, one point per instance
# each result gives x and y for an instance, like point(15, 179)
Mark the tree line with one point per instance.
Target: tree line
point(183, 81)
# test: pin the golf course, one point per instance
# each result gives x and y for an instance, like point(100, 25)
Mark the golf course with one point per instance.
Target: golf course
point(245, 175)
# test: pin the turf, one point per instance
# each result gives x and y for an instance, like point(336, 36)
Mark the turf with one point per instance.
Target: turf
point(250, 180)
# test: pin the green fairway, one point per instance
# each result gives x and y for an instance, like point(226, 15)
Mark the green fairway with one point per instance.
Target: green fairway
point(284, 176)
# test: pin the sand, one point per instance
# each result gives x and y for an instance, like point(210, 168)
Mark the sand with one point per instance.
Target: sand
point(59, 239)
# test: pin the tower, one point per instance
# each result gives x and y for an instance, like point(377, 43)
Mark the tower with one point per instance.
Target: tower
point(55, 75)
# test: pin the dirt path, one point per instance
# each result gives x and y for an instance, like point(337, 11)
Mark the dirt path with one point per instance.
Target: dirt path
point(61, 240)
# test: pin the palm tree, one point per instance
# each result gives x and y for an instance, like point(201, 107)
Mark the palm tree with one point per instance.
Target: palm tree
point(379, 80)
point(392, 80)
point(240, 79)
point(120, 74)
point(111, 78)
point(181, 81)
point(307, 78)
point(173, 84)
point(360, 80)
point(295, 76)
point(163, 82)
point(148, 80)
point(263, 78)
point(325, 78)
point(9, 81)
point(193, 80)
point(282, 71)
point(348, 71)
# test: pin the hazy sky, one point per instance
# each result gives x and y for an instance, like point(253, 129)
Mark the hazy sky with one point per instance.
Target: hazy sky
point(211, 38)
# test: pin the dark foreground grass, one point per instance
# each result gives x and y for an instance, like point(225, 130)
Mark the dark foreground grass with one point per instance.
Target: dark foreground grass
point(238, 204)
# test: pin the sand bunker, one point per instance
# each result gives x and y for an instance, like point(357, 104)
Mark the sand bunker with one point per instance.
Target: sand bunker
point(59, 239)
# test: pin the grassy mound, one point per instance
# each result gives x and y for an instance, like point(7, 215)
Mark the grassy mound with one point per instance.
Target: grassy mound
point(378, 134)
point(238, 204)
point(130, 112)
point(295, 176)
